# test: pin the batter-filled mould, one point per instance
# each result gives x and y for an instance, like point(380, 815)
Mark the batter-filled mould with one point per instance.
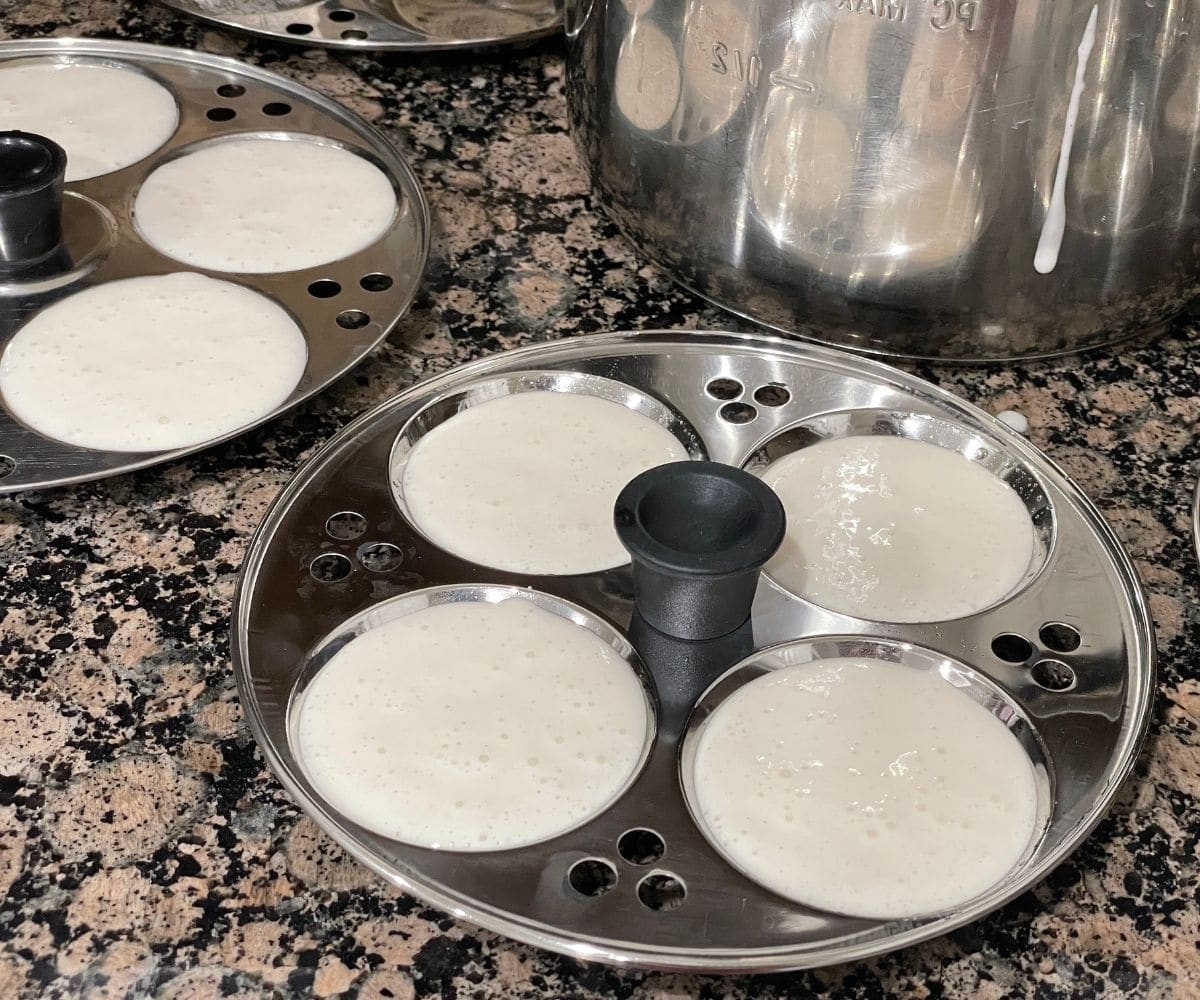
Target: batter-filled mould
point(521, 473)
point(152, 364)
point(265, 203)
point(523, 716)
point(107, 115)
point(903, 517)
point(848, 774)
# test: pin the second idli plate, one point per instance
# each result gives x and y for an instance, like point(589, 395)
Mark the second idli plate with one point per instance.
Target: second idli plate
point(87, 387)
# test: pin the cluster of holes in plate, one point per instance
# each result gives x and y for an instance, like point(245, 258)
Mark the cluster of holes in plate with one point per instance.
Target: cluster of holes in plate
point(231, 91)
point(1048, 672)
point(350, 319)
point(374, 557)
point(659, 890)
point(736, 410)
point(338, 16)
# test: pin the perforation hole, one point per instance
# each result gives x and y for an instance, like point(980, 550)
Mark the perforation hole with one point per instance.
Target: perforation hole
point(592, 877)
point(375, 282)
point(345, 525)
point(724, 388)
point(342, 15)
point(738, 413)
point(330, 567)
point(354, 34)
point(1012, 648)
point(641, 847)
point(380, 557)
point(277, 109)
point(662, 891)
point(230, 90)
point(7, 465)
point(299, 29)
point(220, 114)
point(353, 319)
point(324, 288)
point(772, 395)
point(1060, 637)
point(1053, 675)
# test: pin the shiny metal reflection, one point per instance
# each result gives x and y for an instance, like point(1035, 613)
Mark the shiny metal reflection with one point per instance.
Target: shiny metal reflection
point(412, 25)
point(877, 173)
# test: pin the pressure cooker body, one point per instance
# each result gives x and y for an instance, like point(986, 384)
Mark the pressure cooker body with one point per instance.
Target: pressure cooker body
point(932, 178)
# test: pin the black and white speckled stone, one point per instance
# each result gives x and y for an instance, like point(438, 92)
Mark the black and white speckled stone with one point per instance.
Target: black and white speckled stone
point(144, 848)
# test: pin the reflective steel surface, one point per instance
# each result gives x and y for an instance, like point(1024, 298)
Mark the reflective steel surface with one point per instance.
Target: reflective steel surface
point(314, 565)
point(878, 173)
point(413, 25)
point(217, 98)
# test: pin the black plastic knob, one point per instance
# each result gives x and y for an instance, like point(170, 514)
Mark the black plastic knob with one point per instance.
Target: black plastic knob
point(31, 198)
point(698, 533)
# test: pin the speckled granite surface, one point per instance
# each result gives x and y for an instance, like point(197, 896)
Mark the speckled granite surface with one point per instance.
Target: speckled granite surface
point(146, 851)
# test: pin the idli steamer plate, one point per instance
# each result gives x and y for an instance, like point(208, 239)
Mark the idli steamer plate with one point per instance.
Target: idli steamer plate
point(384, 25)
point(336, 544)
point(217, 98)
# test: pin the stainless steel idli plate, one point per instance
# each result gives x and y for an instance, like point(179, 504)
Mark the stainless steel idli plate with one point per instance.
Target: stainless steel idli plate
point(1067, 661)
point(345, 308)
point(396, 25)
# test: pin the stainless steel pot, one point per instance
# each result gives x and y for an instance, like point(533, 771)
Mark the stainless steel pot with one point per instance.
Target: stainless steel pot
point(880, 173)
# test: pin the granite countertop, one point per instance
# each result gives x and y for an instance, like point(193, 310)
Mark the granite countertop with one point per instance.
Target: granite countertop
point(145, 849)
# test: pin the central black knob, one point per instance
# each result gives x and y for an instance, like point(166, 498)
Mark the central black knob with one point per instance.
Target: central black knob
point(31, 194)
point(698, 534)
point(23, 159)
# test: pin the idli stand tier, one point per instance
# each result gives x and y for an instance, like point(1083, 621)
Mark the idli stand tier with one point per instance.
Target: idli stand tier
point(388, 25)
point(1061, 667)
point(161, 298)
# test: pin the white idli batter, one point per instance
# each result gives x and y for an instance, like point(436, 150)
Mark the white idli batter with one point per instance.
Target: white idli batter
point(864, 787)
point(527, 482)
point(104, 118)
point(264, 205)
point(154, 363)
point(473, 727)
point(895, 530)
